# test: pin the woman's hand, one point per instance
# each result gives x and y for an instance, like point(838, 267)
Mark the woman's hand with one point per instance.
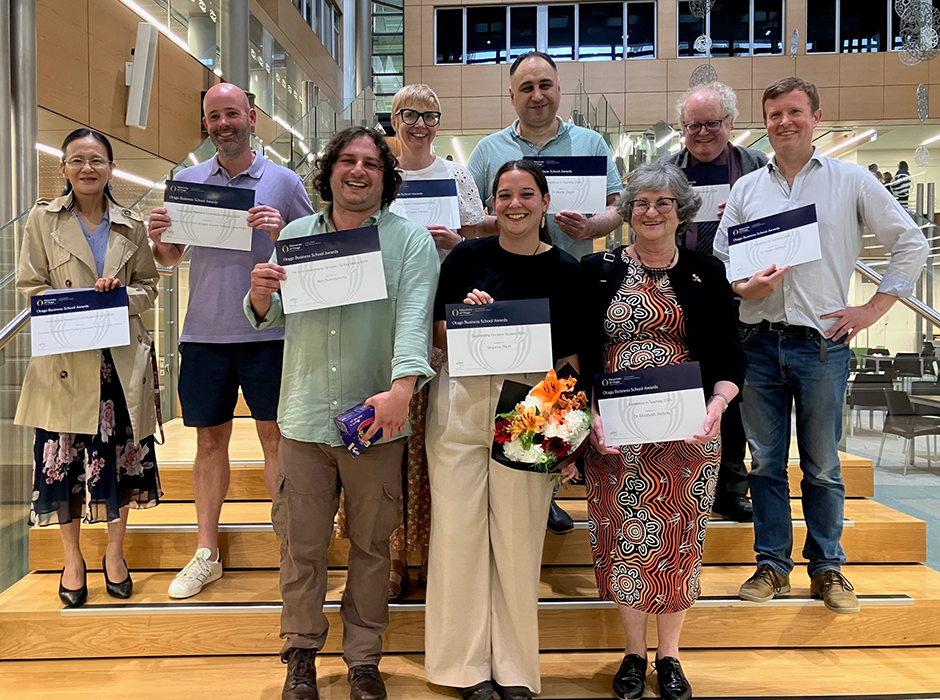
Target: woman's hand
point(478, 298)
point(106, 284)
point(444, 238)
point(714, 409)
point(598, 441)
point(569, 472)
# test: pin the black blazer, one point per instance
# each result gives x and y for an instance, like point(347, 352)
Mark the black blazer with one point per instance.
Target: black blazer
point(707, 301)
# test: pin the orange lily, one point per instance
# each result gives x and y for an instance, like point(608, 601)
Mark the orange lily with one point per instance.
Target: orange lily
point(549, 389)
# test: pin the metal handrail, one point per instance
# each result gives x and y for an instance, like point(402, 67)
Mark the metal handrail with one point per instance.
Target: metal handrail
point(9, 331)
point(915, 305)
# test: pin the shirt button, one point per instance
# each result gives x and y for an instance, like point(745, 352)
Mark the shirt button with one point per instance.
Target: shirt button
point(332, 332)
point(333, 368)
point(334, 403)
point(63, 374)
point(68, 283)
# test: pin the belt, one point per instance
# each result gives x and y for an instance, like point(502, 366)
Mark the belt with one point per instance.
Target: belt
point(798, 332)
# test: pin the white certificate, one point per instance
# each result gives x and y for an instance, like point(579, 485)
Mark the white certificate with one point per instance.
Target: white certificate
point(576, 183)
point(71, 320)
point(428, 202)
point(788, 238)
point(713, 184)
point(208, 215)
point(331, 269)
point(659, 404)
point(505, 337)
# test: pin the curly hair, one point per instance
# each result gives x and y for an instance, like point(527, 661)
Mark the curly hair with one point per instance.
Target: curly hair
point(391, 180)
point(658, 177)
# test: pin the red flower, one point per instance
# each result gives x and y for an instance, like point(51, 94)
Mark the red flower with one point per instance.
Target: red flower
point(555, 446)
point(503, 431)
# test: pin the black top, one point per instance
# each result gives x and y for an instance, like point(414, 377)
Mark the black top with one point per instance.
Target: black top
point(707, 302)
point(482, 263)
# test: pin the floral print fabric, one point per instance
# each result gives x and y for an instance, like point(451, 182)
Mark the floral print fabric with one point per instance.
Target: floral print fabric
point(93, 476)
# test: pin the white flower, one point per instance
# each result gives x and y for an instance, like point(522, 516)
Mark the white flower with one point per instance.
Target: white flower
point(514, 451)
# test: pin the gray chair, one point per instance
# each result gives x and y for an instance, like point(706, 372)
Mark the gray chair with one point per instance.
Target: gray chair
point(903, 421)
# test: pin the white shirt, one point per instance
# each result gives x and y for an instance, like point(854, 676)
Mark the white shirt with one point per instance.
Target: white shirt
point(848, 199)
point(468, 197)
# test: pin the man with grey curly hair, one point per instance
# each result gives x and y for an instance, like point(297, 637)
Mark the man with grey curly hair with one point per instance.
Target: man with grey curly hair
point(706, 117)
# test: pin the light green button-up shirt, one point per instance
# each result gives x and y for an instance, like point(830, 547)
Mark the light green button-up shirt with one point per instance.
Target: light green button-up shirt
point(337, 358)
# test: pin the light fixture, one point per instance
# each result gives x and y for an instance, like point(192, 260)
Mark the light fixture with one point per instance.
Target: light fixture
point(192, 159)
point(121, 174)
point(740, 139)
point(268, 149)
point(459, 151)
point(931, 140)
point(666, 139)
point(291, 129)
point(848, 142)
point(146, 16)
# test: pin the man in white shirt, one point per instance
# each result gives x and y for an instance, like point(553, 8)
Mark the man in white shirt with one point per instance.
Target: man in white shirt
point(797, 326)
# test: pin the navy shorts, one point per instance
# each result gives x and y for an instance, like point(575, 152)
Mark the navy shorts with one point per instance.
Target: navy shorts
point(210, 374)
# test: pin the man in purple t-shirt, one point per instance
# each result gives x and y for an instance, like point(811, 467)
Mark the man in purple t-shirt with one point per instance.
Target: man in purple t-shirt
point(220, 350)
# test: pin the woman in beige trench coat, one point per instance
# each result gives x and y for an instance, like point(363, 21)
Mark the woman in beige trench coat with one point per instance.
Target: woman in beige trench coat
point(93, 411)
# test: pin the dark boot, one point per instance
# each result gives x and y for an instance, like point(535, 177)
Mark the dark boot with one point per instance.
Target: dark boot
point(365, 683)
point(559, 522)
point(301, 683)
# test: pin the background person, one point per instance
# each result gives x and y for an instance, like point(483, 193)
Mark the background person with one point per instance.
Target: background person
point(901, 184)
point(706, 117)
point(94, 411)
point(535, 92)
point(220, 352)
point(656, 305)
point(487, 519)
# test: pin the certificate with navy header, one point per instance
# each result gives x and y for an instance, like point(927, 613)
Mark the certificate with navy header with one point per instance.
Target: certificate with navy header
point(428, 202)
point(505, 337)
point(788, 238)
point(331, 269)
point(713, 184)
point(657, 404)
point(576, 183)
point(72, 320)
point(210, 216)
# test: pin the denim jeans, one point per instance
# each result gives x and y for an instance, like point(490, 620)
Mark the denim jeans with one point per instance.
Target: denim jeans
point(786, 367)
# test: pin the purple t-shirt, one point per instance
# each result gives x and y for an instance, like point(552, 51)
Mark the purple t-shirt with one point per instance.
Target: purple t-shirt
point(219, 279)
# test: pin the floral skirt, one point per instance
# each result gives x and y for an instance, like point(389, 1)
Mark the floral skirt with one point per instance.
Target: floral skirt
point(93, 476)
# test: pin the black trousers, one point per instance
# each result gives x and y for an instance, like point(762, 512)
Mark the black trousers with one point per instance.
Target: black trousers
point(732, 474)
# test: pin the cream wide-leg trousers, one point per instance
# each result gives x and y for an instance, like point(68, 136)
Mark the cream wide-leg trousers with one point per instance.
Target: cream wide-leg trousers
point(487, 532)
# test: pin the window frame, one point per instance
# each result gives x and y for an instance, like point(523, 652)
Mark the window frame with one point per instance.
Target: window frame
point(889, 30)
point(750, 34)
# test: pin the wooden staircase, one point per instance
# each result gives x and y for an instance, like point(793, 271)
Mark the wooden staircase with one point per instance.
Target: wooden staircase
point(226, 639)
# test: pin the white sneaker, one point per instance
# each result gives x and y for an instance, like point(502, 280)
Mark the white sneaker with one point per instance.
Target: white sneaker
point(196, 574)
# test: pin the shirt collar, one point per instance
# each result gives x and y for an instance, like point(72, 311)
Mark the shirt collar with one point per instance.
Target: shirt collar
point(254, 170)
point(563, 127)
point(817, 156)
point(371, 220)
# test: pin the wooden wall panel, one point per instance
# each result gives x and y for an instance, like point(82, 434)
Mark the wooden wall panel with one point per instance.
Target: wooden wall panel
point(182, 80)
point(62, 61)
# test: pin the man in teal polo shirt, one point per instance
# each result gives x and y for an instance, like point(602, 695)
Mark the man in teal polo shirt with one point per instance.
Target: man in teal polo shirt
point(536, 94)
point(377, 353)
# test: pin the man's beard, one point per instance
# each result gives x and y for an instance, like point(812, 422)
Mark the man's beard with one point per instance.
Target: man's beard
point(233, 148)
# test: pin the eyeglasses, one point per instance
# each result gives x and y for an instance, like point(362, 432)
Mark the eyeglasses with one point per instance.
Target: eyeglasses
point(410, 117)
point(712, 125)
point(77, 163)
point(663, 205)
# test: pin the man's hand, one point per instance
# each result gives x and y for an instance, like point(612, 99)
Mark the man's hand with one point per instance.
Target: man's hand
point(266, 279)
point(266, 218)
point(106, 284)
point(575, 225)
point(158, 224)
point(444, 238)
point(721, 209)
point(391, 409)
point(761, 285)
point(478, 298)
point(853, 319)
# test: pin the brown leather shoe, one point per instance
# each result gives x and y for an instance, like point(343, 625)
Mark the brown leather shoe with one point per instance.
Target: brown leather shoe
point(764, 585)
point(301, 683)
point(365, 683)
point(836, 592)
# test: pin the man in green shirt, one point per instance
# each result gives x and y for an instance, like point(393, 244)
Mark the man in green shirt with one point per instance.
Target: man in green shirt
point(336, 358)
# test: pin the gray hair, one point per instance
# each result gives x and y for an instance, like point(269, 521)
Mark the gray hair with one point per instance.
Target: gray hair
point(657, 177)
point(725, 95)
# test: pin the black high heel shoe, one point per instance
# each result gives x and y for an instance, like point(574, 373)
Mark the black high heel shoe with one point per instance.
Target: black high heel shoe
point(77, 598)
point(121, 590)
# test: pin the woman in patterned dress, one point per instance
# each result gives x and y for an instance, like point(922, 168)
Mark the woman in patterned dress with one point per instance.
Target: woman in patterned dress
point(93, 411)
point(653, 305)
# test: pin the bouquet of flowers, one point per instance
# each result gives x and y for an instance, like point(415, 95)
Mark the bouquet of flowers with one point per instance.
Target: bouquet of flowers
point(549, 424)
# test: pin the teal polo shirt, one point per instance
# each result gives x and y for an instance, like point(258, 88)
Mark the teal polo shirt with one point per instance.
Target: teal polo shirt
point(505, 145)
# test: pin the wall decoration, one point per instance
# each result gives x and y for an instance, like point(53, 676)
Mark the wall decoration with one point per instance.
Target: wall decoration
point(703, 75)
point(922, 156)
point(923, 103)
point(703, 43)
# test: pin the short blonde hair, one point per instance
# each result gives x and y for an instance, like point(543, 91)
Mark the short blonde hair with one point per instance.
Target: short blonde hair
point(419, 93)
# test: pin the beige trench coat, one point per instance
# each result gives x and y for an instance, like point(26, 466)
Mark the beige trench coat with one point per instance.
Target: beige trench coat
point(61, 392)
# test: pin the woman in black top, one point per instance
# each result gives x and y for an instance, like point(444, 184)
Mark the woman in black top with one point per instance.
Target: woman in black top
point(488, 520)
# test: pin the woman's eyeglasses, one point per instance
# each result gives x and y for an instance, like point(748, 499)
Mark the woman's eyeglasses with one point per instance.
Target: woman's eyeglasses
point(663, 205)
point(410, 117)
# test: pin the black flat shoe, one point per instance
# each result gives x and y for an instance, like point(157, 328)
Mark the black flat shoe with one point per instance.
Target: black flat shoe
point(734, 507)
point(480, 691)
point(74, 599)
point(672, 682)
point(630, 679)
point(117, 590)
point(559, 522)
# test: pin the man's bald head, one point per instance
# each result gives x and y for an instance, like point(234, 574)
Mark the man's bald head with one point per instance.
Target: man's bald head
point(228, 118)
point(226, 94)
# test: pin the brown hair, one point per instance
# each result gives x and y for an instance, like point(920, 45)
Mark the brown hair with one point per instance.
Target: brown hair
point(325, 163)
point(536, 172)
point(788, 85)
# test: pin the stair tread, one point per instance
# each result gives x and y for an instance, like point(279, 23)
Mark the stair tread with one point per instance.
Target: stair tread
point(259, 513)
point(714, 673)
point(37, 592)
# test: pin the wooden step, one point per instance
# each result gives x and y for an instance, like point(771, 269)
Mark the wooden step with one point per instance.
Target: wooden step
point(165, 538)
point(239, 614)
point(725, 673)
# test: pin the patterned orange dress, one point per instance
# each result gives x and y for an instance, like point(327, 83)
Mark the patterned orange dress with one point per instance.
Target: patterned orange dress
point(649, 504)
